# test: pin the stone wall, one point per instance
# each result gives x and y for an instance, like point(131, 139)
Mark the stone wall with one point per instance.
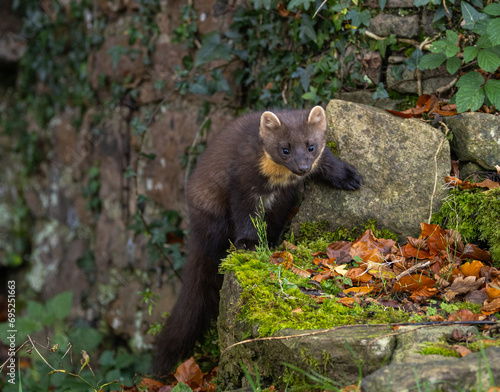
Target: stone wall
point(58, 226)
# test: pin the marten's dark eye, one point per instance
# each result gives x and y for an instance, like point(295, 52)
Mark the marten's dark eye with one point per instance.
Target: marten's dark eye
point(285, 151)
point(311, 148)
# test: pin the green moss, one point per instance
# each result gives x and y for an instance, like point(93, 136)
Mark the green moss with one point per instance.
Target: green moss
point(475, 214)
point(439, 348)
point(270, 304)
point(481, 345)
point(490, 222)
point(318, 231)
point(333, 148)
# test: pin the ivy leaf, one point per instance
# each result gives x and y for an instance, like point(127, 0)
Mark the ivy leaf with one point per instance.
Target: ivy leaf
point(382, 45)
point(441, 12)
point(380, 92)
point(432, 60)
point(151, 156)
point(414, 61)
point(382, 4)
point(294, 4)
point(138, 127)
point(307, 29)
point(488, 60)
point(304, 75)
point(492, 88)
point(212, 49)
point(470, 53)
point(129, 172)
point(358, 18)
point(453, 64)
point(493, 9)
point(493, 30)
point(471, 16)
point(311, 94)
point(420, 3)
point(469, 98)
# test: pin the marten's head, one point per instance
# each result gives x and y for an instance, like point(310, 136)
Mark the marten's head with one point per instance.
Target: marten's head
point(293, 141)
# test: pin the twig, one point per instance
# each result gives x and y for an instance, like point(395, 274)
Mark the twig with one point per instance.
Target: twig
point(412, 269)
point(321, 6)
point(422, 324)
point(11, 355)
point(436, 168)
point(442, 89)
point(423, 45)
point(447, 12)
point(40, 355)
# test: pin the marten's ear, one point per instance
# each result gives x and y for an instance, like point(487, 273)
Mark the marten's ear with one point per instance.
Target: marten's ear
point(317, 117)
point(269, 123)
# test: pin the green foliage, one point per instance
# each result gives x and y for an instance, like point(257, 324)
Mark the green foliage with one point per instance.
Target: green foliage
point(91, 190)
point(460, 211)
point(479, 46)
point(263, 304)
point(287, 61)
point(56, 58)
point(260, 225)
point(62, 351)
point(15, 230)
point(489, 222)
point(475, 215)
point(158, 231)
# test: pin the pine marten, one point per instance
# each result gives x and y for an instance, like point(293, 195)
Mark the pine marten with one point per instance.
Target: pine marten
point(259, 156)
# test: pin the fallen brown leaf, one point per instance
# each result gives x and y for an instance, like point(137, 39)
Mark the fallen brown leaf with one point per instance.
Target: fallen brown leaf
point(462, 286)
point(491, 307)
point(284, 259)
point(463, 315)
point(189, 372)
point(462, 350)
point(412, 283)
point(471, 268)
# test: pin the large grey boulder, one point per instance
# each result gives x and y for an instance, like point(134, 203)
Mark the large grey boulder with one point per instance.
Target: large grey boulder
point(471, 373)
point(396, 158)
point(384, 359)
point(476, 138)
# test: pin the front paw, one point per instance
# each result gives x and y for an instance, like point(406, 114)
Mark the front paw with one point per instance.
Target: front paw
point(352, 179)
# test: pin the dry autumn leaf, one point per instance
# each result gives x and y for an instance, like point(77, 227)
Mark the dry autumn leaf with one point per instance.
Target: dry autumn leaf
point(491, 307)
point(301, 272)
point(150, 384)
point(413, 283)
point(472, 251)
point(189, 372)
point(463, 315)
point(359, 290)
point(436, 237)
point(423, 294)
point(493, 289)
point(471, 268)
point(284, 259)
point(358, 275)
point(462, 350)
point(322, 276)
point(340, 251)
point(367, 242)
point(462, 285)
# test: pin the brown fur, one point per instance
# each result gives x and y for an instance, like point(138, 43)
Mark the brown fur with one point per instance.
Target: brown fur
point(259, 156)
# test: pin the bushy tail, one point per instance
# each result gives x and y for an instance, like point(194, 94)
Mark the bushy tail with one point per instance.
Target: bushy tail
point(196, 306)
